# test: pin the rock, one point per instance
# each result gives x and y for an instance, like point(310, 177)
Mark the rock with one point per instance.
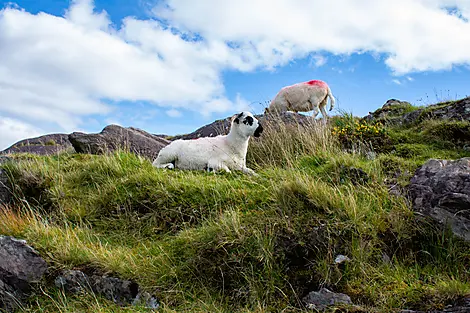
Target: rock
point(10, 300)
point(453, 110)
point(400, 112)
point(73, 282)
point(390, 111)
point(341, 259)
point(43, 145)
point(121, 292)
point(113, 137)
point(325, 298)
point(20, 267)
point(222, 127)
point(146, 300)
point(5, 188)
point(440, 189)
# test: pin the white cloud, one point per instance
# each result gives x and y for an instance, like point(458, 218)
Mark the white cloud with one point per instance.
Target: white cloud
point(15, 130)
point(57, 71)
point(396, 81)
point(173, 113)
point(318, 60)
point(414, 34)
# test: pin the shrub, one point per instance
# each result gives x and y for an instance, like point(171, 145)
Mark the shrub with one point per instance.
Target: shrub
point(351, 132)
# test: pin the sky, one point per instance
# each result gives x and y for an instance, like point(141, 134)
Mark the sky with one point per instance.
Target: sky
point(172, 66)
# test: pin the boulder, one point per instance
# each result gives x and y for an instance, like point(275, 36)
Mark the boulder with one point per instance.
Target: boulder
point(391, 111)
point(10, 300)
point(452, 110)
point(20, 267)
point(323, 299)
point(401, 112)
point(43, 145)
point(114, 137)
point(20, 264)
point(440, 189)
point(5, 190)
point(121, 292)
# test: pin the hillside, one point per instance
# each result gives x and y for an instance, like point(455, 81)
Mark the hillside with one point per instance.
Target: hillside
point(204, 242)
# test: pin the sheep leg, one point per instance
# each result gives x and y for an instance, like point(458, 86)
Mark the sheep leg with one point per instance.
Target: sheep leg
point(213, 166)
point(249, 171)
point(322, 108)
point(323, 112)
point(164, 160)
point(169, 166)
point(315, 112)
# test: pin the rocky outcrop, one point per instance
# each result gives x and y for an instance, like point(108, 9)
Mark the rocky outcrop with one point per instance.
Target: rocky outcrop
point(114, 137)
point(440, 189)
point(121, 292)
point(323, 299)
point(389, 112)
point(401, 112)
point(43, 145)
point(20, 268)
point(222, 127)
point(452, 110)
point(5, 188)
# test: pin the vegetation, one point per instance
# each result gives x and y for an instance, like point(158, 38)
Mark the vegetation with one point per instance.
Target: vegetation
point(205, 242)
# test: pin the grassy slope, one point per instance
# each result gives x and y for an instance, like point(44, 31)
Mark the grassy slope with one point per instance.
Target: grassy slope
point(232, 243)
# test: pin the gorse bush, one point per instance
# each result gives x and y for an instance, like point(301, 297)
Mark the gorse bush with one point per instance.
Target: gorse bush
point(352, 132)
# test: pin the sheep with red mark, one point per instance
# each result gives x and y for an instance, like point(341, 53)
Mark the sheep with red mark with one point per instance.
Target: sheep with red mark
point(303, 97)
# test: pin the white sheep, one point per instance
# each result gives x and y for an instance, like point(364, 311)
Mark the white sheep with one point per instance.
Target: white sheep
point(223, 152)
point(303, 97)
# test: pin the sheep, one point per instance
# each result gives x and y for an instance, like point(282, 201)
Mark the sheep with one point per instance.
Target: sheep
point(223, 152)
point(303, 97)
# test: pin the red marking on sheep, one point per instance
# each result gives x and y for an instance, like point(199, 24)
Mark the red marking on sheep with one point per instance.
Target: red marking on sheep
point(316, 83)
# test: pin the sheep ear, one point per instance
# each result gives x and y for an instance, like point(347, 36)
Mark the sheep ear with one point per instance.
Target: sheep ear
point(235, 119)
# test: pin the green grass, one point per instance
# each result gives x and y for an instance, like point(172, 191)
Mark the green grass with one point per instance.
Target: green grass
point(205, 242)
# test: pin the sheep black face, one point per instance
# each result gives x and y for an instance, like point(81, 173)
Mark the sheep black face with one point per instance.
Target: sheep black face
point(247, 125)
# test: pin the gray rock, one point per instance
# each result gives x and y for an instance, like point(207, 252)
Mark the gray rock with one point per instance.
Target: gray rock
point(325, 298)
point(452, 110)
point(10, 300)
point(114, 137)
point(117, 290)
point(5, 187)
point(146, 300)
point(43, 145)
point(390, 111)
point(440, 189)
point(398, 112)
point(121, 292)
point(73, 282)
point(340, 259)
point(20, 265)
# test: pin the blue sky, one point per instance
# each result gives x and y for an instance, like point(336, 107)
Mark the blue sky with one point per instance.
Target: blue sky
point(171, 66)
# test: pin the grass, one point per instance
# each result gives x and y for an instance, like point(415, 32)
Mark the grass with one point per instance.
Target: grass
point(205, 242)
